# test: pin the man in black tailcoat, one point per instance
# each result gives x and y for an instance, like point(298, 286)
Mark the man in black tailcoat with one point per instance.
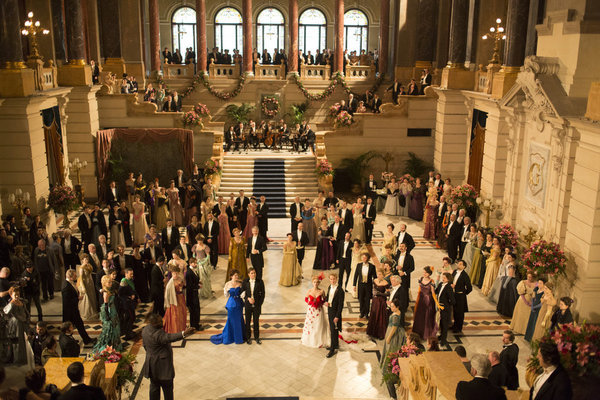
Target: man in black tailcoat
point(70, 305)
point(301, 239)
point(369, 215)
point(257, 245)
point(211, 236)
point(335, 305)
point(254, 290)
point(192, 301)
point(262, 213)
point(461, 283)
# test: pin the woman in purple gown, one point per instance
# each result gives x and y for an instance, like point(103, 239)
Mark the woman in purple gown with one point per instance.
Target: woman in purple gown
point(415, 210)
point(378, 320)
point(425, 306)
point(324, 256)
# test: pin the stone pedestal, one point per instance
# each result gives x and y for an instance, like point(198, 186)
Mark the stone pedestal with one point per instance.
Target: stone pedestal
point(458, 78)
point(593, 103)
point(16, 82)
point(115, 65)
point(503, 81)
point(74, 75)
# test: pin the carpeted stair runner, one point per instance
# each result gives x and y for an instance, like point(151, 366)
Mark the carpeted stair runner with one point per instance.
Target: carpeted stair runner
point(269, 181)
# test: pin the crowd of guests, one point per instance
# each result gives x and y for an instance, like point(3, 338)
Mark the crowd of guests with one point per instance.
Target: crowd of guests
point(165, 100)
point(270, 135)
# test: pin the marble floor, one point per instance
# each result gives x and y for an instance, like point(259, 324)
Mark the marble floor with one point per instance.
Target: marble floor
point(281, 366)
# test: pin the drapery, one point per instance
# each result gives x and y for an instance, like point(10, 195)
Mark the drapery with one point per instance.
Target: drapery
point(105, 137)
point(54, 145)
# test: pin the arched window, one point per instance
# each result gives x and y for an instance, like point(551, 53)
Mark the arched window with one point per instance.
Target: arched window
point(312, 31)
point(270, 30)
point(228, 30)
point(183, 26)
point(356, 27)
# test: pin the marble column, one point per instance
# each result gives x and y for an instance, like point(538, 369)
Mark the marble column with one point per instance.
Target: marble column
point(93, 31)
point(201, 64)
point(11, 52)
point(58, 31)
point(427, 15)
point(109, 16)
point(459, 23)
point(516, 33)
point(293, 56)
point(247, 31)
point(131, 39)
point(339, 36)
point(75, 32)
point(154, 36)
point(384, 36)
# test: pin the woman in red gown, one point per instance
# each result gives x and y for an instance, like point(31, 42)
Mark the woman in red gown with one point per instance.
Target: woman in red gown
point(378, 320)
point(175, 319)
point(425, 307)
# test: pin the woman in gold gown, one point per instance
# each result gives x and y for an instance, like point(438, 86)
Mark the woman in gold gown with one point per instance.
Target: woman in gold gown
point(523, 306)
point(475, 272)
point(545, 315)
point(389, 239)
point(291, 271)
point(162, 209)
point(491, 270)
point(237, 255)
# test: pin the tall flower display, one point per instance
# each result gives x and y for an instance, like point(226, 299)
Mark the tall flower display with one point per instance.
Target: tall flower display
point(545, 258)
point(196, 116)
point(392, 367)
point(464, 195)
point(507, 235)
point(343, 119)
point(324, 168)
point(63, 199)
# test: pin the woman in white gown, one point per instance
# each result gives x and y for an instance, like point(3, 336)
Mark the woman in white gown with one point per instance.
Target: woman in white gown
point(391, 204)
point(358, 230)
point(357, 249)
point(316, 328)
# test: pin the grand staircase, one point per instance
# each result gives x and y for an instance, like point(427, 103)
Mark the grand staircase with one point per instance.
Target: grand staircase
point(279, 176)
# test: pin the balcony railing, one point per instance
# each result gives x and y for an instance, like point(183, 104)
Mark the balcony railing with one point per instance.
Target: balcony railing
point(224, 71)
point(360, 72)
point(178, 70)
point(315, 72)
point(44, 78)
point(269, 71)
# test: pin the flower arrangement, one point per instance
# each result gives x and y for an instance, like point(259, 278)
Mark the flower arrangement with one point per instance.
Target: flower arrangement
point(192, 118)
point(387, 176)
point(62, 199)
point(202, 110)
point(408, 177)
point(578, 345)
point(334, 110)
point(324, 168)
point(392, 370)
point(507, 235)
point(545, 258)
point(464, 195)
point(125, 372)
point(212, 167)
point(343, 119)
point(270, 106)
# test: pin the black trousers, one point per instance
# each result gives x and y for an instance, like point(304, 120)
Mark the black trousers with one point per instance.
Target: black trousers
point(300, 254)
point(461, 249)
point(445, 318)
point(257, 263)
point(242, 218)
point(214, 251)
point(365, 292)
point(71, 261)
point(128, 317)
point(452, 248)
point(47, 278)
point(368, 230)
point(194, 309)
point(159, 304)
point(334, 330)
point(166, 386)
point(252, 315)
point(34, 299)
point(459, 311)
point(295, 224)
point(78, 324)
point(345, 267)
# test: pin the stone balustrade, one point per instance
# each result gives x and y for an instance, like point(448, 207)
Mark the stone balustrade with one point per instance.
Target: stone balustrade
point(269, 71)
point(315, 72)
point(178, 70)
point(44, 78)
point(224, 71)
point(484, 78)
point(360, 72)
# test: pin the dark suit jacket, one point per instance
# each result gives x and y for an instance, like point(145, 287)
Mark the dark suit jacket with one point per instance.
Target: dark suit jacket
point(455, 231)
point(301, 241)
point(370, 277)
point(402, 295)
point(557, 387)
point(70, 303)
point(408, 266)
point(498, 376)
point(261, 245)
point(372, 212)
point(111, 198)
point(509, 357)
point(176, 104)
point(340, 251)
point(75, 246)
point(446, 298)
point(169, 246)
point(368, 191)
point(294, 210)
point(262, 211)
point(84, 228)
point(408, 241)
point(159, 354)
point(239, 205)
point(214, 231)
point(83, 392)
point(340, 233)
point(479, 388)
point(259, 292)
point(348, 220)
point(337, 303)
point(147, 255)
point(330, 201)
point(69, 347)
point(463, 287)
point(157, 285)
point(192, 284)
point(189, 250)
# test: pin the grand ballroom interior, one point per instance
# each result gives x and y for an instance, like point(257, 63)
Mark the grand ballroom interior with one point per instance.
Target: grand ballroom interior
point(486, 111)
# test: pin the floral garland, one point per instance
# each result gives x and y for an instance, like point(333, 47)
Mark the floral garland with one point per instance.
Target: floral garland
point(338, 78)
point(545, 258)
point(270, 106)
point(212, 167)
point(202, 78)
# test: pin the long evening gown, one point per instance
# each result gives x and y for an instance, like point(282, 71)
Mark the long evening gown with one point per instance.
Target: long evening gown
point(308, 219)
point(404, 190)
point(162, 212)
point(175, 319)
point(320, 209)
point(536, 305)
point(470, 253)
point(485, 254)
point(234, 327)
point(111, 331)
point(175, 207)
point(117, 236)
point(424, 316)
point(389, 239)
point(415, 210)
point(251, 220)
point(86, 287)
point(378, 319)
point(396, 341)
point(508, 296)
point(358, 230)
point(475, 272)
point(291, 271)
point(237, 259)
point(324, 255)
point(140, 226)
point(544, 319)
point(224, 236)
point(391, 204)
point(315, 332)
point(205, 272)
point(355, 261)
point(430, 220)
point(497, 285)
point(518, 324)
point(491, 271)
point(17, 325)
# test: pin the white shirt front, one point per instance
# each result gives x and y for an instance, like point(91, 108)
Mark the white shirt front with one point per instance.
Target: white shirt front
point(367, 210)
point(401, 260)
point(346, 244)
point(343, 214)
point(365, 272)
point(297, 210)
point(114, 191)
point(442, 289)
point(539, 382)
point(401, 237)
point(299, 244)
point(441, 207)
point(332, 289)
point(184, 251)
point(336, 226)
point(254, 242)
point(450, 226)
point(393, 292)
point(67, 245)
point(169, 230)
point(210, 224)
point(458, 271)
point(465, 236)
point(252, 283)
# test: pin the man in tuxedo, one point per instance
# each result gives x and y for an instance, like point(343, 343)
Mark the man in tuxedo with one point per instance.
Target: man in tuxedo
point(335, 305)
point(453, 237)
point(479, 386)
point(112, 195)
point(498, 376)
point(445, 296)
point(121, 261)
point(241, 207)
point(439, 219)
point(168, 105)
point(211, 234)
point(254, 290)
point(180, 183)
point(185, 248)
point(70, 305)
point(399, 292)
point(158, 365)
point(395, 88)
point(128, 298)
point(169, 238)
point(405, 265)
point(71, 248)
point(79, 390)
point(257, 245)
point(346, 216)
point(69, 346)
point(461, 283)
point(192, 301)
point(337, 231)
point(176, 101)
point(343, 259)
point(371, 187)
point(311, 138)
point(167, 56)
point(369, 215)
point(296, 209)
point(352, 104)
point(464, 236)
point(158, 280)
point(554, 383)
point(152, 252)
point(425, 80)
point(509, 357)
point(301, 239)
point(363, 282)
point(406, 238)
point(330, 200)
point(376, 104)
point(84, 223)
point(262, 213)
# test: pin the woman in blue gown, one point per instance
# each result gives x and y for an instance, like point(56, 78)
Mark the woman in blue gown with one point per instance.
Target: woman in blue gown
point(536, 304)
point(234, 327)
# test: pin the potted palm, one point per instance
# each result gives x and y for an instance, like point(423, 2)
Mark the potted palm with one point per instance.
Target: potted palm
point(355, 168)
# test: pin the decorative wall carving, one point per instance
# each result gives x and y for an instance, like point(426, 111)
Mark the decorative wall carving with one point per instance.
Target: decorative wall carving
point(537, 173)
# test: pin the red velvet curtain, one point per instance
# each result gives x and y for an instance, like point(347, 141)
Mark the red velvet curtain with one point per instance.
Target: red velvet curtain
point(105, 137)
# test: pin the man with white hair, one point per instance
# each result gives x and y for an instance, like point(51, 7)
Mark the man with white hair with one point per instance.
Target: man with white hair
point(480, 386)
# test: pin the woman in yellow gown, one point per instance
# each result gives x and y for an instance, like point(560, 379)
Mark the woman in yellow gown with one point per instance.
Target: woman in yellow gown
point(520, 318)
point(389, 239)
point(291, 271)
point(475, 272)
point(162, 209)
point(491, 270)
point(545, 315)
point(237, 255)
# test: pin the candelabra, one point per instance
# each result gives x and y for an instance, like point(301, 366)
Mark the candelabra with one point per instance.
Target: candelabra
point(497, 34)
point(76, 165)
point(31, 29)
point(19, 200)
point(488, 206)
point(531, 236)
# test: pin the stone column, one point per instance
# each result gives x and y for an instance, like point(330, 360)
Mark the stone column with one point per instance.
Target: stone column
point(154, 36)
point(427, 15)
point(131, 39)
point(514, 47)
point(293, 55)
point(58, 31)
point(454, 76)
point(93, 31)
point(201, 64)
point(15, 79)
point(384, 35)
point(76, 73)
point(339, 36)
point(109, 17)
point(247, 30)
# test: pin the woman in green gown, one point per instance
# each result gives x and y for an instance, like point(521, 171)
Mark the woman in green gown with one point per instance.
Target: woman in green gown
point(111, 331)
point(395, 337)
